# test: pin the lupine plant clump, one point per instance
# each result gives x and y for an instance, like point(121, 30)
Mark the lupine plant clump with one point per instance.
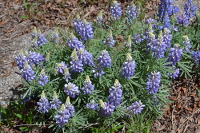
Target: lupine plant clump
point(73, 81)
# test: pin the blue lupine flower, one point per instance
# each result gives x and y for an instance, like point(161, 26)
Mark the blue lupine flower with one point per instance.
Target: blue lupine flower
point(92, 105)
point(83, 29)
point(151, 39)
point(135, 108)
point(34, 33)
point(104, 59)
point(55, 103)
point(196, 56)
point(107, 109)
point(153, 82)
point(76, 64)
point(174, 55)
point(67, 75)
point(21, 59)
point(183, 20)
point(55, 36)
point(43, 78)
point(165, 9)
point(34, 58)
point(115, 10)
point(99, 18)
point(98, 71)
point(128, 67)
point(131, 12)
point(109, 40)
point(60, 67)
point(27, 72)
point(88, 87)
point(69, 107)
point(167, 38)
point(85, 57)
point(115, 94)
point(187, 43)
point(175, 74)
point(62, 116)
point(38, 39)
point(74, 43)
point(189, 10)
point(43, 103)
point(71, 90)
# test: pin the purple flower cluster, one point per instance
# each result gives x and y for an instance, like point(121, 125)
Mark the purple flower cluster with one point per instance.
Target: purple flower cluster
point(38, 38)
point(62, 116)
point(76, 63)
point(66, 111)
point(107, 109)
point(109, 40)
point(115, 94)
point(135, 108)
point(131, 12)
point(71, 90)
point(85, 57)
point(115, 10)
point(103, 60)
point(174, 55)
point(196, 56)
point(43, 78)
point(153, 82)
point(67, 75)
point(55, 36)
point(55, 103)
point(167, 38)
point(60, 67)
point(99, 18)
point(43, 103)
point(187, 43)
point(92, 105)
point(128, 67)
point(31, 57)
point(175, 74)
point(88, 87)
point(27, 72)
point(74, 43)
point(83, 29)
point(189, 12)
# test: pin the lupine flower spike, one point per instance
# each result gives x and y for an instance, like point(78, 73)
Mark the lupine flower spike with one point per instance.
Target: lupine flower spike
point(187, 43)
point(109, 40)
point(74, 43)
point(104, 59)
point(69, 107)
point(135, 108)
point(106, 108)
point(62, 116)
point(34, 32)
point(88, 87)
point(43, 78)
point(196, 57)
point(131, 12)
point(85, 57)
point(76, 64)
point(128, 67)
point(67, 75)
point(43, 103)
point(27, 72)
point(21, 59)
point(115, 10)
point(60, 67)
point(55, 35)
point(55, 103)
point(99, 18)
point(71, 90)
point(115, 94)
point(175, 54)
point(153, 82)
point(92, 105)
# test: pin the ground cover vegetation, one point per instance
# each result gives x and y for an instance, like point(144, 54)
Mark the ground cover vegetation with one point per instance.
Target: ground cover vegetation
point(107, 75)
